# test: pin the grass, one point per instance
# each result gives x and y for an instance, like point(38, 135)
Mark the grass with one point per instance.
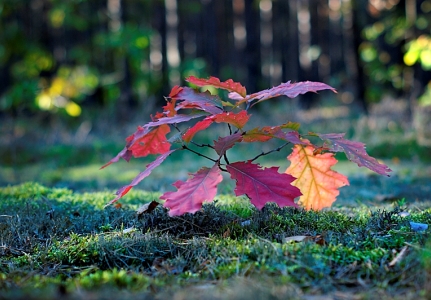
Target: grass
point(58, 243)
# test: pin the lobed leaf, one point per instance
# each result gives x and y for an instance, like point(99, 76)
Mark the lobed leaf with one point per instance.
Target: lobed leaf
point(229, 84)
point(126, 153)
point(174, 120)
point(263, 185)
point(199, 126)
point(189, 197)
point(225, 143)
point(266, 133)
point(202, 101)
point(236, 119)
point(317, 182)
point(288, 89)
point(355, 151)
point(154, 142)
point(141, 176)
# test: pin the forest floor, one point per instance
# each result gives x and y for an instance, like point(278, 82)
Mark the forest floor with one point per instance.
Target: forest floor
point(58, 240)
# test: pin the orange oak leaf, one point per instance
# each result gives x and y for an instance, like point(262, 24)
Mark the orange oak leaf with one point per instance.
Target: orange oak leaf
point(229, 84)
point(190, 195)
point(317, 182)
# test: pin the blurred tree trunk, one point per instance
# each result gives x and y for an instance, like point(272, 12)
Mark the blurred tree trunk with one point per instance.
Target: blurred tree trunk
point(253, 47)
point(359, 21)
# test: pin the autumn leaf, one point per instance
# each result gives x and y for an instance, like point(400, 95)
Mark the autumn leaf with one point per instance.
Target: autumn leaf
point(225, 143)
point(147, 208)
point(126, 153)
point(266, 133)
point(202, 101)
point(236, 119)
point(288, 89)
point(150, 167)
point(154, 142)
point(199, 126)
point(202, 186)
point(174, 120)
point(260, 134)
point(175, 90)
point(229, 84)
point(263, 185)
point(355, 151)
point(169, 109)
point(317, 182)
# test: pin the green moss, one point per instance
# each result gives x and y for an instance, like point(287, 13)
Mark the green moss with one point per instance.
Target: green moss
point(84, 246)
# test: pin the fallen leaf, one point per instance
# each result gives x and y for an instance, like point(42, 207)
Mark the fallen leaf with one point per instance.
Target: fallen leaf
point(147, 208)
point(399, 256)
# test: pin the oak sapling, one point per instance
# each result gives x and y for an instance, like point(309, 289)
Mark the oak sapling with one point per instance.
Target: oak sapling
point(308, 177)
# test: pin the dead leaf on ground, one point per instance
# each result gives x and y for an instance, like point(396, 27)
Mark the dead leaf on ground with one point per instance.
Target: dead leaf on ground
point(399, 257)
point(147, 208)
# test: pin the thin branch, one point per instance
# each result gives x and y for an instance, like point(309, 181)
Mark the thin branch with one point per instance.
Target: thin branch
point(199, 154)
point(202, 145)
point(225, 158)
point(176, 127)
point(230, 128)
point(271, 151)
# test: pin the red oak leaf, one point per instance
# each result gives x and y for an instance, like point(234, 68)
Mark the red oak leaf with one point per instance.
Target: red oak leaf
point(192, 193)
point(201, 125)
point(263, 185)
point(169, 109)
point(288, 89)
point(175, 90)
point(150, 167)
point(229, 84)
point(236, 119)
point(154, 142)
point(126, 153)
point(225, 143)
point(355, 151)
point(317, 182)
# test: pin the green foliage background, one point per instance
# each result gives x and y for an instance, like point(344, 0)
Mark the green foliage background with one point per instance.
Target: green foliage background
point(57, 56)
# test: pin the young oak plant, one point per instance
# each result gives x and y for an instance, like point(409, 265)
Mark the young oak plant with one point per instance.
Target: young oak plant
point(308, 177)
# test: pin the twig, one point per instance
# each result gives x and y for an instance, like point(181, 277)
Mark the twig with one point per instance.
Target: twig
point(202, 145)
point(271, 151)
point(199, 154)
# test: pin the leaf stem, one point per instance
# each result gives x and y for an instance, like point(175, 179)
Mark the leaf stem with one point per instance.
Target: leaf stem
point(271, 151)
point(199, 154)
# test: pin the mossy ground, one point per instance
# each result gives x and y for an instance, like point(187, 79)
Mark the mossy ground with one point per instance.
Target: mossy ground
point(58, 243)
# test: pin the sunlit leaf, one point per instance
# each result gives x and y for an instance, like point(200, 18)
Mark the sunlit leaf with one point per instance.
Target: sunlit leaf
point(317, 182)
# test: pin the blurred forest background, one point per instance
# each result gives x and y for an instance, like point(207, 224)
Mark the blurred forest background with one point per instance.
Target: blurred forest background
point(78, 65)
